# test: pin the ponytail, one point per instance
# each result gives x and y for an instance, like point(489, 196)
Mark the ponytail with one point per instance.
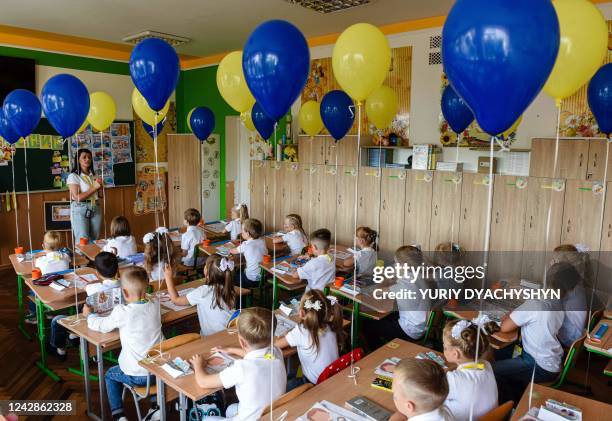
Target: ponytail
point(222, 281)
point(368, 235)
point(334, 318)
point(243, 212)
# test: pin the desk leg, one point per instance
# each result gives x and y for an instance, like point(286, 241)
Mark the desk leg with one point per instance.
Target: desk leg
point(182, 407)
point(42, 339)
point(102, 385)
point(161, 398)
point(274, 292)
point(85, 368)
point(21, 323)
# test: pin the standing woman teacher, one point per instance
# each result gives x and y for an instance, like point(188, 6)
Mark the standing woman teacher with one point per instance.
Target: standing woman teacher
point(85, 190)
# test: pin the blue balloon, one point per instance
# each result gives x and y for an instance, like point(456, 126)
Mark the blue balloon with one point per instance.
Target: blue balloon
point(276, 62)
point(149, 129)
point(261, 121)
point(7, 132)
point(337, 113)
point(455, 111)
point(65, 101)
point(600, 98)
point(22, 109)
point(202, 122)
point(498, 55)
point(154, 66)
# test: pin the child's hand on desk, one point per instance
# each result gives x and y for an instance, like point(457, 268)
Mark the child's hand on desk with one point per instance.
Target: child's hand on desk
point(86, 310)
point(197, 361)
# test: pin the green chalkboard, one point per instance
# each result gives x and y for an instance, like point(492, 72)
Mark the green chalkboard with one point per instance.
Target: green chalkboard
point(40, 162)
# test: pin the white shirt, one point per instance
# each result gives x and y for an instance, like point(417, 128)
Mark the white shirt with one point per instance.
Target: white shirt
point(468, 387)
point(212, 318)
point(313, 362)
point(257, 379)
point(234, 228)
point(575, 320)
point(92, 289)
point(412, 313)
point(53, 261)
point(189, 240)
point(84, 181)
point(253, 251)
point(157, 273)
point(440, 414)
point(139, 327)
point(318, 272)
point(296, 241)
point(365, 259)
point(540, 322)
point(125, 246)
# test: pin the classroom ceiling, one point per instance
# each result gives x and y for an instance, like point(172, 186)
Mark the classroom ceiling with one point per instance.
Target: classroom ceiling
point(215, 26)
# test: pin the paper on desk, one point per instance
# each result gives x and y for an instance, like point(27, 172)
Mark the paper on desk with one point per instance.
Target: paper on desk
point(177, 368)
point(88, 277)
point(169, 304)
point(218, 362)
point(339, 254)
point(284, 325)
point(326, 410)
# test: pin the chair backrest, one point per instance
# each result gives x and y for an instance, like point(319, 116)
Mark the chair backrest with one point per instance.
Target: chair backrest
point(174, 342)
point(595, 317)
point(498, 414)
point(340, 364)
point(287, 397)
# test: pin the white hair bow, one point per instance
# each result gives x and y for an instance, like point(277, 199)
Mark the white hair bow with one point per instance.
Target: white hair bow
point(226, 264)
point(459, 327)
point(148, 237)
point(161, 230)
point(333, 300)
point(309, 305)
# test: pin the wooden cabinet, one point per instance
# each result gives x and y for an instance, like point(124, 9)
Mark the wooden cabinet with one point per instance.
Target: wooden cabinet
point(604, 268)
point(312, 150)
point(306, 179)
point(323, 195)
point(417, 209)
point(323, 150)
point(287, 199)
point(474, 210)
point(272, 170)
point(345, 199)
point(582, 213)
point(368, 199)
point(597, 160)
point(445, 207)
point(184, 178)
point(257, 187)
point(345, 150)
point(391, 230)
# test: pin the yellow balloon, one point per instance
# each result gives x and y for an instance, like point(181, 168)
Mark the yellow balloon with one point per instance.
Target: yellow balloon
point(102, 110)
point(142, 109)
point(584, 42)
point(381, 107)
point(310, 118)
point(232, 84)
point(83, 126)
point(512, 129)
point(189, 120)
point(361, 60)
point(247, 120)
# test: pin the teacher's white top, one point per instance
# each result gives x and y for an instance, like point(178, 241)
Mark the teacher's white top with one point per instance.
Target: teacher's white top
point(84, 181)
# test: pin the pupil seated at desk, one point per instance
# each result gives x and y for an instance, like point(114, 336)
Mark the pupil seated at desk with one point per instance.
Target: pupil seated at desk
point(192, 237)
point(121, 241)
point(239, 214)
point(365, 256)
point(294, 236)
point(320, 270)
point(254, 249)
point(159, 252)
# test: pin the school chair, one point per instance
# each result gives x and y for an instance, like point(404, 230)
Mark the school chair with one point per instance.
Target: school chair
point(191, 272)
point(500, 413)
point(570, 358)
point(595, 318)
point(340, 364)
point(287, 397)
point(431, 317)
point(140, 393)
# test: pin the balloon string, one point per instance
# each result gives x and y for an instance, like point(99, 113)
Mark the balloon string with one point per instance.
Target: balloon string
point(454, 207)
point(25, 161)
point(239, 195)
point(336, 210)
point(103, 192)
point(380, 177)
point(72, 236)
point(14, 196)
point(273, 289)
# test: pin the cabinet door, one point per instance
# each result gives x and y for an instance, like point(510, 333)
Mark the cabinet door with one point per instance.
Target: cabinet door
point(368, 197)
point(307, 178)
point(324, 198)
point(345, 198)
point(183, 176)
point(285, 192)
point(345, 150)
point(293, 176)
point(445, 207)
point(597, 160)
point(257, 188)
point(582, 213)
point(305, 149)
point(474, 210)
point(572, 160)
point(391, 228)
point(313, 149)
point(417, 210)
point(604, 269)
point(272, 171)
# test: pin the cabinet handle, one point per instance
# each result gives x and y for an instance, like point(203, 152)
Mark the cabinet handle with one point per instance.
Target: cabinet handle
point(580, 163)
point(339, 200)
point(384, 205)
point(609, 230)
point(464, 214)
point(319, 197)
point(595, 160)
point(409, 205)
point(436, 210)
point(497, 217)
point(568, 225)
point(361, 202)
point(300, 195)
point(530, 221)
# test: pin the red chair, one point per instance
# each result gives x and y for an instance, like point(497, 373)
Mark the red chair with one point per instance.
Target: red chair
point(340, 364)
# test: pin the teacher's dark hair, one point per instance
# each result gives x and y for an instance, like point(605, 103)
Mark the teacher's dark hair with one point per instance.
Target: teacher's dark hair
point(76, 166)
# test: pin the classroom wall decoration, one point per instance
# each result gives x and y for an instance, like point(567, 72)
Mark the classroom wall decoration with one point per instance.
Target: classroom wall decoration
point(210, 154)
point(146, 196)
point(145, 152)
point(321, 81)
point(576, 117)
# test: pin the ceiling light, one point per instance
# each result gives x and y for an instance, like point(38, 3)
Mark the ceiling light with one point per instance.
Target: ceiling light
point(173, 40)
point(329, 6)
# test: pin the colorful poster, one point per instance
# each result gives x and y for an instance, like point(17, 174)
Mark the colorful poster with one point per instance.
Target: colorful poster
point(57, 143)
point(33, 141)
point(46, 141)
point(148, 200)
point(145, 152)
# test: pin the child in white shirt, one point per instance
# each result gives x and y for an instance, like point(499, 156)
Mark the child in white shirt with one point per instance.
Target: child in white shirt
point(294, 236)
point(192, 237)
point(122, 242)
point(240, 213)
point(316, 336)
point(254, 249)
point(472, 390)
point(320, 270)
point(259, 376)
point(159, 252)
point(365, 256)
point(53, 260)
point(215, 300)
point(139, 324)
point(420, 388)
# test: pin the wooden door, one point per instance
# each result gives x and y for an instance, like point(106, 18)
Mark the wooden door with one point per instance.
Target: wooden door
point(345, 199)
point(272, 171)
point(392, 206)
point(597, 160)
point(474, 209)
point(324, 198)
point(572, 160)
point(445, 207)
point(312, 150)
point(184, 190)
point(368, 197)
point(582, 213)
point(257, 188)
point(307, 179)
point(345, 150)
point(281, 204)
point(417, 209)
point(292, 199)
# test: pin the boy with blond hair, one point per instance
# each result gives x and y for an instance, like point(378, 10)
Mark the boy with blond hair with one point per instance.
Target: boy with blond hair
point(53, 260)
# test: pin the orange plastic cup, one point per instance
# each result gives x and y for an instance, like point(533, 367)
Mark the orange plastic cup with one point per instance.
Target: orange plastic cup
point(19, 250)
point(36, 274)
point(206, 243)
point(83, 241)
point(339, 281)
point(267, 258)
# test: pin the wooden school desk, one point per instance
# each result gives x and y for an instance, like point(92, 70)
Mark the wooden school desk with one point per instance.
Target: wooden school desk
point(340, 388)
point(215, 231)
point(603, 347)
point(500, 340)
point(104, 342)
point(591, 410)
point(91, 250)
